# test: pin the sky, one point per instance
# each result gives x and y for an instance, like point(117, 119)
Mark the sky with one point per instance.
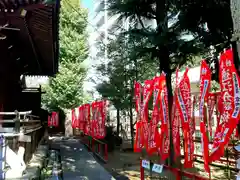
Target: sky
point(87, 3)
point(88, 85)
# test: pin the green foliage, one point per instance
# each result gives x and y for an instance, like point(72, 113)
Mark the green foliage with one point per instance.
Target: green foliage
point(196, 15)
point(166, 42)
point(73, 35)
point(165, 35)
point(122, 70)
point(65, 90)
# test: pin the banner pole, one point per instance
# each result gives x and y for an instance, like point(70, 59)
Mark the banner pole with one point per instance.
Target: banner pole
point(141, 170)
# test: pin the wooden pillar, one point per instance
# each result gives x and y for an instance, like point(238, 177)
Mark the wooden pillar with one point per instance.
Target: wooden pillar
point(9, 77)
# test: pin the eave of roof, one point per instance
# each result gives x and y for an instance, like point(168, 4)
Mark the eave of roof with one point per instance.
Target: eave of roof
point(39, 33)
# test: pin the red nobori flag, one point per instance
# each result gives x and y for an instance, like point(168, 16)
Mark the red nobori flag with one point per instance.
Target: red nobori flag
point(184, 106)
point(212, 99)
point(50, 124)
point(101, 120)
point(87, 115)
point(153, 136)
point(147, 92)
point(94, 124)
point(55, 119)
point(74, 119)
point(164, 116)
point(138, 144)
point(81, 120)
point(176, 121)
point(156, 100)
point(230, 97)
point(205, 84)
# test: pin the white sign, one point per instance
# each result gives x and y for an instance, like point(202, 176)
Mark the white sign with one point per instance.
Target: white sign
point(146, 164)
point(238, 163)
point(157, 168)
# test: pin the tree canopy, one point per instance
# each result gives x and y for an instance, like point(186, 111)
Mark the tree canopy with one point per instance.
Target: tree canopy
point(66, 89)
point(161, 36)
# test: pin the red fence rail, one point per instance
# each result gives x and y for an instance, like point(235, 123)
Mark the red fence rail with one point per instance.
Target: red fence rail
point(98, 147)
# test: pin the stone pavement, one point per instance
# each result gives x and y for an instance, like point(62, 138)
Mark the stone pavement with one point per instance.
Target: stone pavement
point(77, 162)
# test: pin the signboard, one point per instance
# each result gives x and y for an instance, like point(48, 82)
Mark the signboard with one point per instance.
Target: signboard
point(146, 164)
point(157, 168)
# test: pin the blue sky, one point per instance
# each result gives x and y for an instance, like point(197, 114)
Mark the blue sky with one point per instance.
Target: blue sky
point(87, 3)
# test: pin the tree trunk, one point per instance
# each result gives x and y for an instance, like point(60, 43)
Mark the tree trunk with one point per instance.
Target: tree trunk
point(235, 11)
point(118, 121)
point(164, 63)
point(170, 101)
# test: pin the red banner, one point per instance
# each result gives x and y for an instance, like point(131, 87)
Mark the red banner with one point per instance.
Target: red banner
point(50, 124)
point(211, 105)
point(55, 119)
point(153, 136)
point(138, 145)
point(205, 83)
point(81, 120)
point(184, 106)
point(176, 121)
point(230, 97)
point(94, 124)
point(147, 92)
point(74, 119)
point(98, 119)
point(164, 116)
point(101, 120)
point(138, 136)
point(87, 116)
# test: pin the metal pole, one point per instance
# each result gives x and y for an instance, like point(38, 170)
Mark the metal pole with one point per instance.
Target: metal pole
point(141, 171)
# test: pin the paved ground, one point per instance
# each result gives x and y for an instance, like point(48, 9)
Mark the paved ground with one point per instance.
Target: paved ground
point(77, 162)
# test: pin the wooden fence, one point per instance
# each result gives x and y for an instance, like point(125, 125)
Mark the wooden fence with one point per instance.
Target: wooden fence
point(21, 132)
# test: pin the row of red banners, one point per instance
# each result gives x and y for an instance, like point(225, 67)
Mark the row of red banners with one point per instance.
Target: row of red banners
point(90, 118)
point(154, 134)
point(53, 119)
